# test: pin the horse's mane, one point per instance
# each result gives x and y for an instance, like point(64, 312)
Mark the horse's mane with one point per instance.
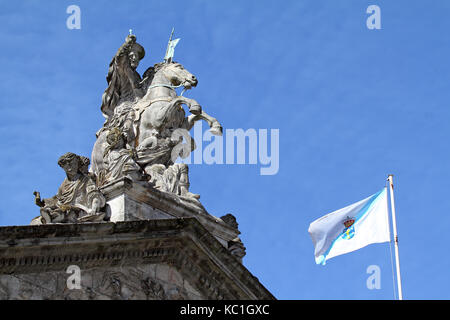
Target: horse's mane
point(151, 71)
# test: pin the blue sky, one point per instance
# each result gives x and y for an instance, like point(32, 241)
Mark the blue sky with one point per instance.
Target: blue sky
point(351, 104)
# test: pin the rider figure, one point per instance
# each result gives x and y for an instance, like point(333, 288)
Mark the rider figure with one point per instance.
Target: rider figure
point(124, 82)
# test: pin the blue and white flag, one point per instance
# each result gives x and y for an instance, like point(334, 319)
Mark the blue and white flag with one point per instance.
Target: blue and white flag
point(351, 228)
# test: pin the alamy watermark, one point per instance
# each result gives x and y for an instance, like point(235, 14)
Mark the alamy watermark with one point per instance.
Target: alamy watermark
point(374, 280)
point(374, 20)
point(74, 20)
point(74, 280)
point(236, 146)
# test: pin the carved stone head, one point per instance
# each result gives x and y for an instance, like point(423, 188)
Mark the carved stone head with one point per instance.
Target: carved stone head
point(115, 138)
point(73, 165)
point(178, 75)
point(136, 54)
point(230, 220)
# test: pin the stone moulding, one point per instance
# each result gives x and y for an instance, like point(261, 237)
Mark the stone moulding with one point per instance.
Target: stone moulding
point(182, 243)
point(128, 200)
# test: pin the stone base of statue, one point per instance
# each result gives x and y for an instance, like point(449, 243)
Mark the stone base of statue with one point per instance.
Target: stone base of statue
point(159, 259)
point(127, 200)
point(151, 245)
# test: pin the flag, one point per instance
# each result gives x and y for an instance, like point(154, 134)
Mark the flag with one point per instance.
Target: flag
point(171, 49)
point(351, 228)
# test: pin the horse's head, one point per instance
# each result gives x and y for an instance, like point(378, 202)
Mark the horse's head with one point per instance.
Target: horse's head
point(178, 75)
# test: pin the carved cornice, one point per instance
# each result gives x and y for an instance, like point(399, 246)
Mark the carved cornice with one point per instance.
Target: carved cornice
point(183, 243)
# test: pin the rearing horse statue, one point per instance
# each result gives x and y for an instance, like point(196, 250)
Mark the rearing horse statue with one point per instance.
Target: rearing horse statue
point(159, 113)
point(151, 127)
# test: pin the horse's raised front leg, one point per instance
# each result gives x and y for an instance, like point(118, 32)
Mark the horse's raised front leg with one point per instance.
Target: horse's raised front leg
point(199, 114)
point(194, 106)
point(214, 125)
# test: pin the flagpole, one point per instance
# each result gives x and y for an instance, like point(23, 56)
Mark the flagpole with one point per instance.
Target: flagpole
point(394, 227)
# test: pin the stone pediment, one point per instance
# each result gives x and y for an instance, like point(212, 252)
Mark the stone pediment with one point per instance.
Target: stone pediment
point(147, 259)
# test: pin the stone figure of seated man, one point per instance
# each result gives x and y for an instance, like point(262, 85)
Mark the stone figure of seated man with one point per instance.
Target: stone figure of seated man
point(119, 159)
point(78, 198)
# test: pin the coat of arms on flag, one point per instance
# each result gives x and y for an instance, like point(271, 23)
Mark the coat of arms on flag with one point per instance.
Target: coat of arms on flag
point(349, 230)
